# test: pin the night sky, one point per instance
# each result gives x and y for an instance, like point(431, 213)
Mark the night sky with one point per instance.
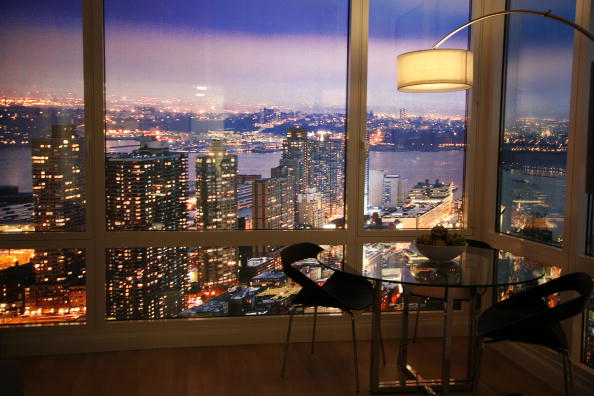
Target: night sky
point(264, 52)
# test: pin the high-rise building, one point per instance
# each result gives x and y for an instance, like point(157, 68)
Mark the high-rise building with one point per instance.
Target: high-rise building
point(375, 192)
point(394, 189)
point(59, 283)
point(216, 209)
point(329, 172)
point(58, 180)
point(216, 189)
point(218, 266)
point(274, 201)
point(146, 283)
point(147, 189)
point(310, 213)
point(298, 156)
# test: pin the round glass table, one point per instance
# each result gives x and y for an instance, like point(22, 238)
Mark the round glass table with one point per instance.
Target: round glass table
point(463, 278)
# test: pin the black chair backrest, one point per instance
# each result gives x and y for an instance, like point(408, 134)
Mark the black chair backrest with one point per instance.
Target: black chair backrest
point(579, 282)
point(478, 244)
point(297, 252)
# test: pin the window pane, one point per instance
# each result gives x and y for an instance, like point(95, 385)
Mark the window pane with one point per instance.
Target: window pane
point(225, 115)
point(42, 286)
point(181, 282)
point(533, 151)
point(41, 117)
point(416, 143)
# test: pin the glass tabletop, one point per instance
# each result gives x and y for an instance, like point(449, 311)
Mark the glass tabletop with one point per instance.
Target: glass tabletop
point(475, 267)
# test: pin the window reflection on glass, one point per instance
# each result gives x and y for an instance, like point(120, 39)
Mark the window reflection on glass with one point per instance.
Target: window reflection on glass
point(42, 286)
point(41, 117)
point(512, 266)
point(388, 260)
point(230, 113)
point(414, 175)
point(194, 282)
point(533, 151)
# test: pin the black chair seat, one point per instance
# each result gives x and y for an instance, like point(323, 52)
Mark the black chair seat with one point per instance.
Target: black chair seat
point(506, 322)
point(527, 318)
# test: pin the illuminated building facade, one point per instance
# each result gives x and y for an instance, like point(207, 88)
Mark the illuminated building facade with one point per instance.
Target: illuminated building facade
point(310, 211)
point(273, 203)
point(58, 180)
point(146, 283)
point(147, 189)
point(216, 189)
point(298, 156)
point(216, 209)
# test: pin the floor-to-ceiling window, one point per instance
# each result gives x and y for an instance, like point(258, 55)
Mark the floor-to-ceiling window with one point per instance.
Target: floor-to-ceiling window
point(42, 160)
point(535, 123)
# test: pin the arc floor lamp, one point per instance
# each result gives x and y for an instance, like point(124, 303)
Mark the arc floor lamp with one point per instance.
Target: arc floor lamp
point(448, 70)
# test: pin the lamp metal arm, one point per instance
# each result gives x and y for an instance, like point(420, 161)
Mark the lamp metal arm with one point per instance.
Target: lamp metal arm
point(544, 14)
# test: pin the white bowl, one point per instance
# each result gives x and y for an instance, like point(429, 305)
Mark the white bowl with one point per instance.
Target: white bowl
point(440, 253)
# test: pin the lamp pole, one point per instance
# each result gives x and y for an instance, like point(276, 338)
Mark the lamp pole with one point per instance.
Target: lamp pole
point(541, 13)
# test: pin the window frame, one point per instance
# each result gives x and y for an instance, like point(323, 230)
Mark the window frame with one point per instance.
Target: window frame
point(483, 107)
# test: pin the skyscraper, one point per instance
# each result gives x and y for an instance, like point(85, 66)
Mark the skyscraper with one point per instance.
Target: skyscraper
point(329, 173)
point(298, 156)
point(59, 283)
point(58, 180)
point(274, 201)
point(216, 209)
point(395, 190)
point(147, 189)
point(375, 188)
point(146, 283)
point(216, 189)
point(310, 213)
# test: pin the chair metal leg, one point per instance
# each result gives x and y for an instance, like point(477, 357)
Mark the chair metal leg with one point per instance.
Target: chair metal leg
point(567, 374)
point(313, 332)
point(287, 345)
point(355, 354)
point(414, 339)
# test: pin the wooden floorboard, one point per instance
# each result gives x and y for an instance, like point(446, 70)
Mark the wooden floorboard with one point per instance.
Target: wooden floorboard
point(255, 370)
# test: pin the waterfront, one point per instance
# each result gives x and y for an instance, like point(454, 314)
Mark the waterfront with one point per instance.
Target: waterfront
point(413, 165)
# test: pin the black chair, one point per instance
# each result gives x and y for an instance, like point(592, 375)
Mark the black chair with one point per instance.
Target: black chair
point(527, 318)
point(438, 293)
point(341, 290)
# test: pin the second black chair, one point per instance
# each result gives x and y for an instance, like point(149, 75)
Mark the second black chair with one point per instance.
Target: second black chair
point(342, 290)
point(527, 318)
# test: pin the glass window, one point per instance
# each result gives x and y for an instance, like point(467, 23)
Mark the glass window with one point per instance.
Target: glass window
point(42, 145)
point(533, 148)
point(225, 115)
point(414, 176)
point(182, 282)
point(42, 286)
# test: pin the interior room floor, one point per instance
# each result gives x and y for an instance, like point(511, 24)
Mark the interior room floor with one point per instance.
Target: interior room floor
point(254, 370)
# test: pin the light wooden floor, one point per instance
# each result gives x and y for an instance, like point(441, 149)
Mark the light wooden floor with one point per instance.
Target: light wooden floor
point(251, 370)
